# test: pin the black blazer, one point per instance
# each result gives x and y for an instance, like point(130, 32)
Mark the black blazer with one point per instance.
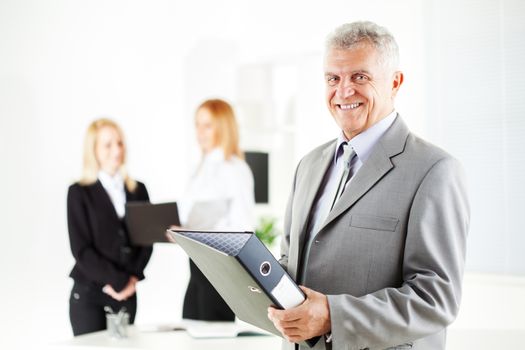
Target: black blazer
point(99, 239)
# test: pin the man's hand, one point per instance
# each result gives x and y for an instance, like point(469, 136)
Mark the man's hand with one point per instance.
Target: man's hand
point(310, 319)
point(125, 293)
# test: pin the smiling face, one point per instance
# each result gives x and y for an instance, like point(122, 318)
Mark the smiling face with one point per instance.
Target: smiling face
point(109, 150)
point(360, 90)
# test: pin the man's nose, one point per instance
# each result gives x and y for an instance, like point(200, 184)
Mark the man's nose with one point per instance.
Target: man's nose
point(346, 89)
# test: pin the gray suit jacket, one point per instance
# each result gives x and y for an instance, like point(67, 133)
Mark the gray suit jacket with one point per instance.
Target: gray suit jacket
point(391, 253)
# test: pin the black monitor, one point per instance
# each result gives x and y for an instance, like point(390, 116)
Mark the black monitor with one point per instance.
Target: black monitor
point(258, 163)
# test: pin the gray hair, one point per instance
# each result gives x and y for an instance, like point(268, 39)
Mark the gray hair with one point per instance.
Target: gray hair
point(351, 35)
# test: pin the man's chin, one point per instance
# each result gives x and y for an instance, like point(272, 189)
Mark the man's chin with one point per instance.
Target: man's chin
point(350, 122)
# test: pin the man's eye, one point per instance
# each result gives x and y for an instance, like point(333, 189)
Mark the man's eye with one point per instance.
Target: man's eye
point(360, 78)
point(331, 80)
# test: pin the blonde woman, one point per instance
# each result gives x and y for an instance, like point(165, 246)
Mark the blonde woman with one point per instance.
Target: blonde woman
point(107, 267)
point(219, 197)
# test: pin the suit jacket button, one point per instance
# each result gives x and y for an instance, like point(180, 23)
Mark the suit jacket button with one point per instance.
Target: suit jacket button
point(121, 233)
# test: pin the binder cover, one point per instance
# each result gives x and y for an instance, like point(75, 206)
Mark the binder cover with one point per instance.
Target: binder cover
point(243, 272)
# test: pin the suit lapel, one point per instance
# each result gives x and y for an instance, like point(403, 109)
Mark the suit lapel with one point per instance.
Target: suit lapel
point(317, 169)
point(105, 201)
point(376, 166)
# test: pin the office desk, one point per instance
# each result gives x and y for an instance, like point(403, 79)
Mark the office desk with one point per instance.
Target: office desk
point(458, 339)
point(170, 340)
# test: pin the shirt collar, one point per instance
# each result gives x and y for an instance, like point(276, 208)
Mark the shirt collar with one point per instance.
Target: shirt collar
point(215, 155)
point(365, 141)
point(109, 181)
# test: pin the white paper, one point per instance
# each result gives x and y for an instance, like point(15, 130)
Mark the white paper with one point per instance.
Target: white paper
point(208, 329)
point(206, 215)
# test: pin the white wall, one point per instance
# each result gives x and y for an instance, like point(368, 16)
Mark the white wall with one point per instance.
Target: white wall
point(147, 65)
point(475, 109)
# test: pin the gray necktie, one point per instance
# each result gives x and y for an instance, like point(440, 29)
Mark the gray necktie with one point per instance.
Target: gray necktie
point(348, 154)
point(346, 158)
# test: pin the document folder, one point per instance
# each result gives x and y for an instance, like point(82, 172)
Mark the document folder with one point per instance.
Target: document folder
point(244, 273)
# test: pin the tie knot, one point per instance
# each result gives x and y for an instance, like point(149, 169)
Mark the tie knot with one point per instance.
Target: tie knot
point(348, 154)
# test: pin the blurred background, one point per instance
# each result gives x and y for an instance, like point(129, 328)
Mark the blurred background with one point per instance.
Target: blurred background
point(148, 64)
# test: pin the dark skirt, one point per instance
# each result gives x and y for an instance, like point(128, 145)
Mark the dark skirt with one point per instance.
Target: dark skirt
point(202, 302)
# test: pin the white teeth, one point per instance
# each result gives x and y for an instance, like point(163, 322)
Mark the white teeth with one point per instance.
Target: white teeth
point(350, 106)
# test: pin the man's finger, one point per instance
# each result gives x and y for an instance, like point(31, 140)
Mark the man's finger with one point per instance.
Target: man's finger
point(298, 324)
point(291, 315)
point(307, 291)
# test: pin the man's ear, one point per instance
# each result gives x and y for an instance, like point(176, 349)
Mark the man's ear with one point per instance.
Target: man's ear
point(396, 82)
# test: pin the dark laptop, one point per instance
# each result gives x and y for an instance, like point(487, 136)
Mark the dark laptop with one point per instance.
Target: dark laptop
point(147, 223)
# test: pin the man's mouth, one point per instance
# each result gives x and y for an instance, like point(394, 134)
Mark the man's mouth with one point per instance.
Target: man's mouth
point(350, 105)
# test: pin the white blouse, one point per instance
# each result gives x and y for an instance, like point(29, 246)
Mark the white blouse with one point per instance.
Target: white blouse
point(114, 186)
point(219, 196)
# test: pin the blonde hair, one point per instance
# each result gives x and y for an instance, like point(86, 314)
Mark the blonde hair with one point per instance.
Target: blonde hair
point(227, 132)
point(90, 164)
